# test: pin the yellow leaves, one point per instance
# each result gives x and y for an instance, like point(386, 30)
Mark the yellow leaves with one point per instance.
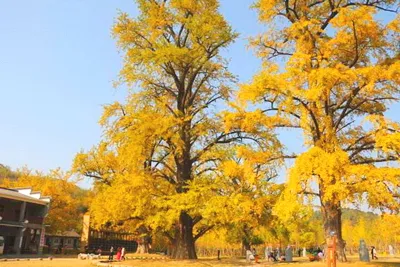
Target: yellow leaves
point(327, 169)
point(262, 82)
point(361, 15)
point(387, 134)
point(394, 72)
point(67, 199)
point(394, 25)
point(267, 9)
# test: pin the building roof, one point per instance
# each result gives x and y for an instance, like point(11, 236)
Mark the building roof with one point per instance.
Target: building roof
point(24, 194)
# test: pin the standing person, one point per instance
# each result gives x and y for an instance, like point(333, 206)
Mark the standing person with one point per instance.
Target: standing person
point(249, 255)
point(118, 256)
point(373, 253)
point(123, 253)
point(391, 250)
point(99, 252)
point(111, 256)
point(253, 250)
point(267, 252)
point(256, 256)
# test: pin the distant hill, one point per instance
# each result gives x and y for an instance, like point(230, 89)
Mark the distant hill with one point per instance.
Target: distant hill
point(355, 215)
point(6, 172)
point(352, 215)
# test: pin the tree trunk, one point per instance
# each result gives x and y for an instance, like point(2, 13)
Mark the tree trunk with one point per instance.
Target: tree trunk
point(143, 248)
point(332, 216)
point(184, 244)
point(245, 247)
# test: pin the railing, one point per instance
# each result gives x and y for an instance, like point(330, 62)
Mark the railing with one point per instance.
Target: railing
point(34, 219)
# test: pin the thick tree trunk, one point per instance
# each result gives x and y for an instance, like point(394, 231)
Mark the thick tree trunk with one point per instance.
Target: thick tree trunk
point(184, 244)
point(332, 216)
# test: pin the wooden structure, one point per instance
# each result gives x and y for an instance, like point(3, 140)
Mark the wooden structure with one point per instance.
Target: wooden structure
point(22, 214)
point(92, 239)
point(331, 253)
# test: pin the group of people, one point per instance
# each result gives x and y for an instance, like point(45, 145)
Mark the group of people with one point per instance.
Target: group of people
point(270, 254)
point(120, 256)
point(278, 255)
point(252, 255)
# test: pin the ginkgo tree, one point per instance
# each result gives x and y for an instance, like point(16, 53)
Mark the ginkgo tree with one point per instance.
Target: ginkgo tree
point(331, 69)
point(159, 164)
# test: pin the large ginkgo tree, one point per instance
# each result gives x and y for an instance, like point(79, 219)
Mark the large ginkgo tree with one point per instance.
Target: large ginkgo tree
point(331, 69)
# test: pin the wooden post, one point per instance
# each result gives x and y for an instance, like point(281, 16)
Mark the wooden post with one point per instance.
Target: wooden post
point(331, 253)
point(85, 232)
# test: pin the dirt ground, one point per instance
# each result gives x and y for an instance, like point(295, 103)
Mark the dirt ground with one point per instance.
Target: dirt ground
point(393, 262)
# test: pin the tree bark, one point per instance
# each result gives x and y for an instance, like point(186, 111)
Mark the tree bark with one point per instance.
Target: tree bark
point(184, 244)
point(143, 248)
point(332, 217)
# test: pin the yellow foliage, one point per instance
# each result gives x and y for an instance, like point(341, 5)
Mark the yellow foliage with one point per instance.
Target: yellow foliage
point(328, 67)
point(68, 201)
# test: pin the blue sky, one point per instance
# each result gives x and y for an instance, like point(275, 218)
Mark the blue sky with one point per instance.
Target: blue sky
point(57, 64)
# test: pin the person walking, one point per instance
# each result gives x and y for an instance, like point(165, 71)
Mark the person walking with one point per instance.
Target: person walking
point(123, 253)
point(373, 253)
point(111, 255)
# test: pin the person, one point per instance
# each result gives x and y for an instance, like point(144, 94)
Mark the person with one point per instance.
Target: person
point(59, 249)
point(249, 255)
point(111, 256)
point(118, 256)
point(266, 252)
point(320, 255)
point(256, 256)
point(271, 256)
point(391, 250)
point(373, 253)
point(99, 251)
point(123, 253)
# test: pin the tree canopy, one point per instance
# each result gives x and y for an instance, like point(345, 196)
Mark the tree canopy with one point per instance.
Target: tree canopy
point(167, 162)
point(330, 69)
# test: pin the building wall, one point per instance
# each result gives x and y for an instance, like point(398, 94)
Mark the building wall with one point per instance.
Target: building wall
point(10, 211)
point(55, 242)
point(21, 225)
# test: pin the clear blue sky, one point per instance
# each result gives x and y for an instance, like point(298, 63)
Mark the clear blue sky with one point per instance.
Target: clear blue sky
point(57, 64)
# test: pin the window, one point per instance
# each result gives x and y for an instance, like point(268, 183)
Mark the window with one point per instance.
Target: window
point(69, 241)
point(56, 240)
point(1, 210)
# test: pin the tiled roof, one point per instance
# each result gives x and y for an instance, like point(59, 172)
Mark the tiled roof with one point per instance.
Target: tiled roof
point(24, 194)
